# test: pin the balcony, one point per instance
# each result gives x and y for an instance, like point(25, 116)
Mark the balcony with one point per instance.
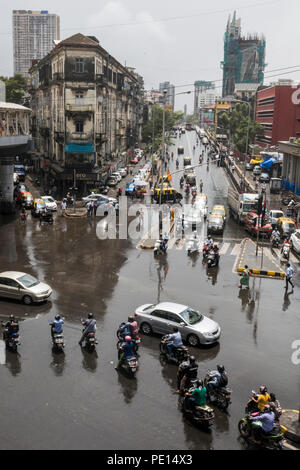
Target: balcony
point(57, 77)
point(79, 108)
point(59, 136)
point(100, 79)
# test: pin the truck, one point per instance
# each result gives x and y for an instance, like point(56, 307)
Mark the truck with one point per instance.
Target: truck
point(241, 204)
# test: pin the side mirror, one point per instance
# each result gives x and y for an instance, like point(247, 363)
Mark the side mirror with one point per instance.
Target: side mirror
point(182, 323)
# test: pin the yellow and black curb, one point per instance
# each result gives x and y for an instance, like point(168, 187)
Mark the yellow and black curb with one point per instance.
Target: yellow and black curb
point(260, 272)
point(151, 247)
point(76, 215)
point(257, 272)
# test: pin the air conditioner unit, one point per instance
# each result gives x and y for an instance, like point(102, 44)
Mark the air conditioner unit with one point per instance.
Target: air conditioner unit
point(292, 140)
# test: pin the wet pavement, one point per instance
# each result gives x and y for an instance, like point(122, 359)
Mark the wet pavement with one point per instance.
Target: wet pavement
point(77, 400)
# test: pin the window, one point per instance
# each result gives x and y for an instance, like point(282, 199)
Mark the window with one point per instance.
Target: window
point(3, 281)
point(79, 126)
point(191, 316)
point(79, 66)
point(79, 97)
point(12, 283)
point(159, 314)
point(173, 317)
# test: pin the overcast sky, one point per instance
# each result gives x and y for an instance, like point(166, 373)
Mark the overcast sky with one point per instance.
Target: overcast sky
point(169, 40)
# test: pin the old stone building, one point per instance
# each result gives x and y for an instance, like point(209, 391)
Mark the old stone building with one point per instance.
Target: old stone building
point(86, 111)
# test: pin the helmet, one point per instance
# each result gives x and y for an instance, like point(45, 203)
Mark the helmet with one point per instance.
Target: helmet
point(90, 315)
point(220, 368)
point(263, 389)
point(57, 317)
point(127, 338)
point(215, 245)
point(192, 359)
point(131, 318)
point(12, 318)
point(199, 383)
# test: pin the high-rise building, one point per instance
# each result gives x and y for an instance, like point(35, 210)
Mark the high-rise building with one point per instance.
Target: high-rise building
point(204, 94)
point(170, 98)
point(244, 57)
point(33, 36)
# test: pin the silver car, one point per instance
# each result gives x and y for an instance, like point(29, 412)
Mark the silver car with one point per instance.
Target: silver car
point(24, 287)
point(195, 328)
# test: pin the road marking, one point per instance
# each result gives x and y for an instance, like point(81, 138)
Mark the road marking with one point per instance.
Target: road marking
point(293, 258)
point(2, 353)
point(224, 248)
point(236, 250)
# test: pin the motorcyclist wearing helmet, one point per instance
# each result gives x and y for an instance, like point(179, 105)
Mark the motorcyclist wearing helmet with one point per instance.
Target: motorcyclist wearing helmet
point(196, 398)
point(264, 425)
point(190, 373)
point(209, 241)
point(125, 351)
point(11, 327)
point(218, 378)
point(176, 341)
point(130, 328)
point(57, 325)
point(263, 398)
point(90, 327)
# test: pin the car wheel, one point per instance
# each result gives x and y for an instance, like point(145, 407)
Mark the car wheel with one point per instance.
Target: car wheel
point(146, 329)
point(27, 300)
point(193, 340)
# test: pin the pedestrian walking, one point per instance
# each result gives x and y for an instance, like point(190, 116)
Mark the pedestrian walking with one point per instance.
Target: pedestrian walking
point(289, 276)
point(90, 208)
point(63, 207)
point(245, 277)
point(201, 186)
point(95, 208)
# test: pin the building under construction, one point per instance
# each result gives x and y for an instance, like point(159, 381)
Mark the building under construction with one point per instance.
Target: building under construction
point(244, 57)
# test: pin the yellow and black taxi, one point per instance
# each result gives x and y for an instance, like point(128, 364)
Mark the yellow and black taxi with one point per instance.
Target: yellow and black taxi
point(215, 223)
point(286, 226)
point(38, 206)
point(220, 210)
point(165, 180)
point(168, 194)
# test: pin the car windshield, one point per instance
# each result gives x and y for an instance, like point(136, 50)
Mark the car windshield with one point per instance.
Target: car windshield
point(288, 226)
point(276, 215)
point(215, 220)
point(40, 205)
point(28, 281)
point(249, 207)
point(191, 316)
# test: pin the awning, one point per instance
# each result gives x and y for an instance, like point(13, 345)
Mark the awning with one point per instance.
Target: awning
point(83, 147)
point(267, 164)
point(255, 162)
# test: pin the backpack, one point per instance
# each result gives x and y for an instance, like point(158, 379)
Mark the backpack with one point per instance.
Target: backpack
point(224, 380)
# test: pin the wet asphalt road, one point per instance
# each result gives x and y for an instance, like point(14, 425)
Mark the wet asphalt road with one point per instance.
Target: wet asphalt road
point(78, 400)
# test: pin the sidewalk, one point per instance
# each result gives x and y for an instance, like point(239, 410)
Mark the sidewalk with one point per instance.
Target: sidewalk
point(290, 420)
point(262, 265)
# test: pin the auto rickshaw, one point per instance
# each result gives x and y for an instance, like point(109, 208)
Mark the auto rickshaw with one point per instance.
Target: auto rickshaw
point(38, 206)
point(26, 199)
point(191, 179)
point(286, 226)
point(187, 161)
point(168, 195)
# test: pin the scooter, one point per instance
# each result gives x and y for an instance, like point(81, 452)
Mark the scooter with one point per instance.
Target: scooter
point(212, 259)
point(180, 354)
point(160, 247)
point(275, 242)
point(12, 341)
point(135, 339)
point(192, 246)
point(201, 415)
point(285, 255)
point(222, 394)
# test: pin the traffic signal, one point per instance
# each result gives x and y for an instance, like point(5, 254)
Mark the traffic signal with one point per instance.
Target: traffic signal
point(260, 205)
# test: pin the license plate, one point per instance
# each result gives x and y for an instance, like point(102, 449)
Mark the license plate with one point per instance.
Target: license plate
point(138, 341)
point(91, 340)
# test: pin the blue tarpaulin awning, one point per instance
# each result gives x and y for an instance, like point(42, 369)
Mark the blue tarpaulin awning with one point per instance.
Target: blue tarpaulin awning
point(83, 147)
point(267, 164)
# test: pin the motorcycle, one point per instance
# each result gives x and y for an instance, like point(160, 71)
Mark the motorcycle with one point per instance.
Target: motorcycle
point(70, 201)
point(286, 248)
point(46, 217)
point(89, 340)
point(135, 339)
point(192, 246)
point(272, 441)
point(202, 415)
point(12, 340)
point(180, 354)
point(160, 247)
point(275, 241)
point(130, 365)
point(187, 190)
point(205, 251)
point(222, 394)
point(58, 342)
point(23, 218)
point(212, 259)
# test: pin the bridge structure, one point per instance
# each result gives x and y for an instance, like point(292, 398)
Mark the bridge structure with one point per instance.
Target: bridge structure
point(15, 139)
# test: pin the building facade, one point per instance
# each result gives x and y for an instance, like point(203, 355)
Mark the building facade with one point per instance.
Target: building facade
point(291, 165)
point(278, 112)
point(170, 97)
point(204, 94)
point(244, 57)
point(87, 108)
point(33, 36)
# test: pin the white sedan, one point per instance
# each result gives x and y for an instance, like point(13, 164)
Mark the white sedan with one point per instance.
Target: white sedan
point(295, 239)
point(50, 203)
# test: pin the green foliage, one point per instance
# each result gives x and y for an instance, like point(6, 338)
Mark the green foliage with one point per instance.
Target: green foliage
point(16, 88)
point(171, 119)
point(236, 127)
point(192, 119)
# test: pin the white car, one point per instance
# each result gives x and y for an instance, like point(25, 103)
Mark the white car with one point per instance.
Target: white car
point(21, 286)
point(117, 175)
point(123, 172)
point(100, 198)
point(195, 328)
point(50, 203)
point(257, 170)
point(295, 239)
point(274, 215)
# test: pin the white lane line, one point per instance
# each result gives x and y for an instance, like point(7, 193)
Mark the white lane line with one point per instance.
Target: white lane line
point(2, 353)
point(294, 258)
point(224, 248)
point(236, 249)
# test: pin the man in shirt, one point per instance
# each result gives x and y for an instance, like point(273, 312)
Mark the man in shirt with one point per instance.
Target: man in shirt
point(57, 325)
point(263, 398)
point(176, 342)
point(288, 276)
point(197, 398)
point(264, 424)
point(90, 327)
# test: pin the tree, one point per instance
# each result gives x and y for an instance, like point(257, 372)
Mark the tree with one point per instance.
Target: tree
point(192, 119)
point(16, 88)
point(235, 125)
point(156, 122)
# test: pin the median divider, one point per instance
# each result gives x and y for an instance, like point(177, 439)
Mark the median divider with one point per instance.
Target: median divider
point(149, 243)
point(268, 267)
